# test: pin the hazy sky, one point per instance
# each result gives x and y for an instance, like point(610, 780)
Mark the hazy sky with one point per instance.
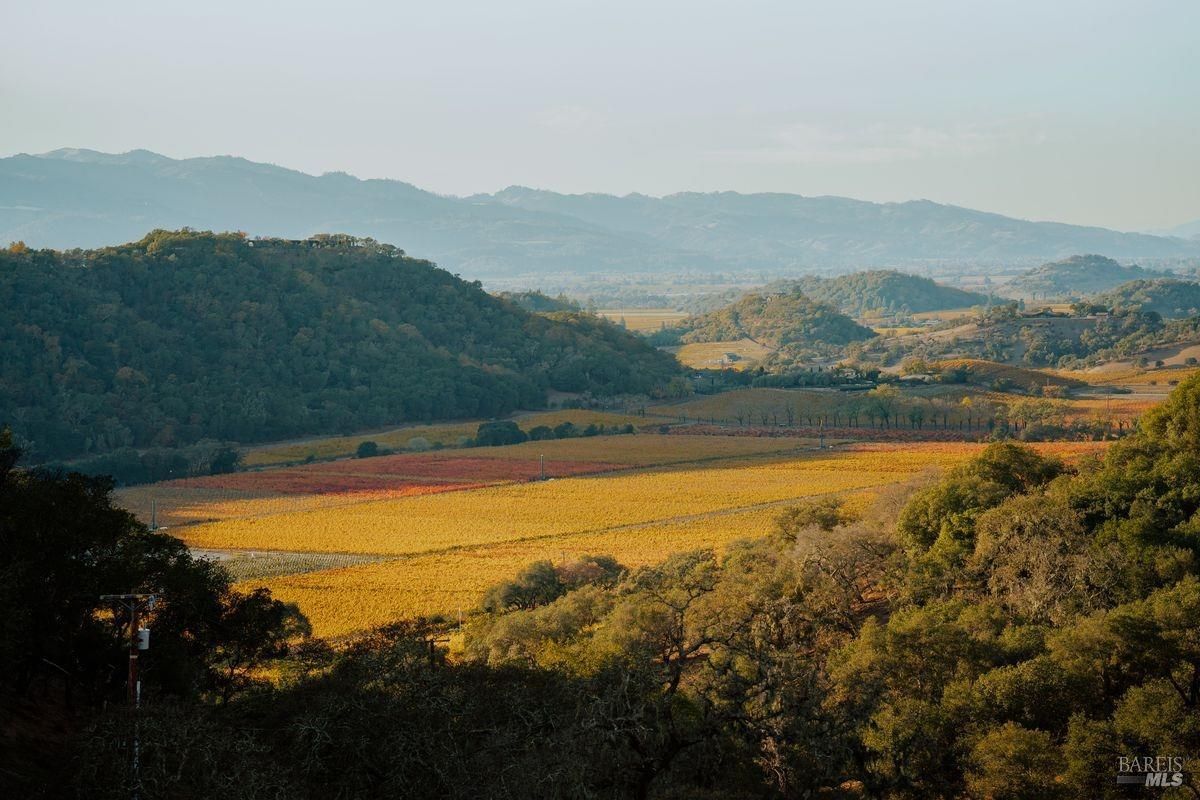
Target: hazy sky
point(1083, 112)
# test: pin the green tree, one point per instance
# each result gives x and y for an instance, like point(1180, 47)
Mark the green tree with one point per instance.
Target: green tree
point(540, 433)
point(226, 459)
point(1015, 762)
point(492, 434)
point(253, 629)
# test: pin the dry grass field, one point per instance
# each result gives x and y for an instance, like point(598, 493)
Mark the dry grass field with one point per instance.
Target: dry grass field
point(644, 319)
point(1129, 375)
point(756, 402)
point(715, 355)
point(895, 330)
point(1025, 378)
point(447, 435)
point(947, 315)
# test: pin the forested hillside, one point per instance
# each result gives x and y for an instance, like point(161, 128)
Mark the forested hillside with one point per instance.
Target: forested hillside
point(1165, 296)
point(186, 336)
point(776, 320)
point(860, 293)
point(1072, 277)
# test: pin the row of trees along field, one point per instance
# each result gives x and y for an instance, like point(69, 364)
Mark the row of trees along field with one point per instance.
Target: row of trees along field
point(186, 336)
point(1007, 631)
point(887, 408)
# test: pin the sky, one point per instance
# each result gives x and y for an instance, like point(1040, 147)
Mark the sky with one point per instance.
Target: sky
point(1079, 112)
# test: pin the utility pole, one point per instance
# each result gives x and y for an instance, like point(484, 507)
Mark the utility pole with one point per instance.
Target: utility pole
point(542, 466)
point(135, 604)
point(139, 639)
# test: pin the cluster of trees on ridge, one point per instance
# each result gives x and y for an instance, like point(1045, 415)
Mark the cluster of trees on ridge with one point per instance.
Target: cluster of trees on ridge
point(1008, 631)
point(187, 336)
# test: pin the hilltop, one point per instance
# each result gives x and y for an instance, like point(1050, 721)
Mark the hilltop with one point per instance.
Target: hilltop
point(775, 320)
point(861, 293)
point(1073, 277)
point(185, 336)
point(1165, 296)
point(82, 198)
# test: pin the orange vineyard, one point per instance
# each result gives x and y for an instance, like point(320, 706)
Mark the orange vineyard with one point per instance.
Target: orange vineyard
point(360, 542)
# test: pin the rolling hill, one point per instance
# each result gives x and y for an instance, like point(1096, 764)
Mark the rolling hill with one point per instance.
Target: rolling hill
point(82, 198)
point(860, 293)
point(775, 320)
point(1077, 276)
point(1165, 296)
point(184, 336)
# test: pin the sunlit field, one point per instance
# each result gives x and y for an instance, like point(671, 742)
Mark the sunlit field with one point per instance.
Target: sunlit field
point(896, 330)
point(447, 435)
point(715, 355)
point(551, 508)
point(643, 319)
point(352, 560)
point(947, 315)
point(1165, 377)
point(336, 484)
point(340, 601)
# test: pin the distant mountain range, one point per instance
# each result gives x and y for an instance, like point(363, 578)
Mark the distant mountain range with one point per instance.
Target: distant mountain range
point(1188, 230)
point(82, 198)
